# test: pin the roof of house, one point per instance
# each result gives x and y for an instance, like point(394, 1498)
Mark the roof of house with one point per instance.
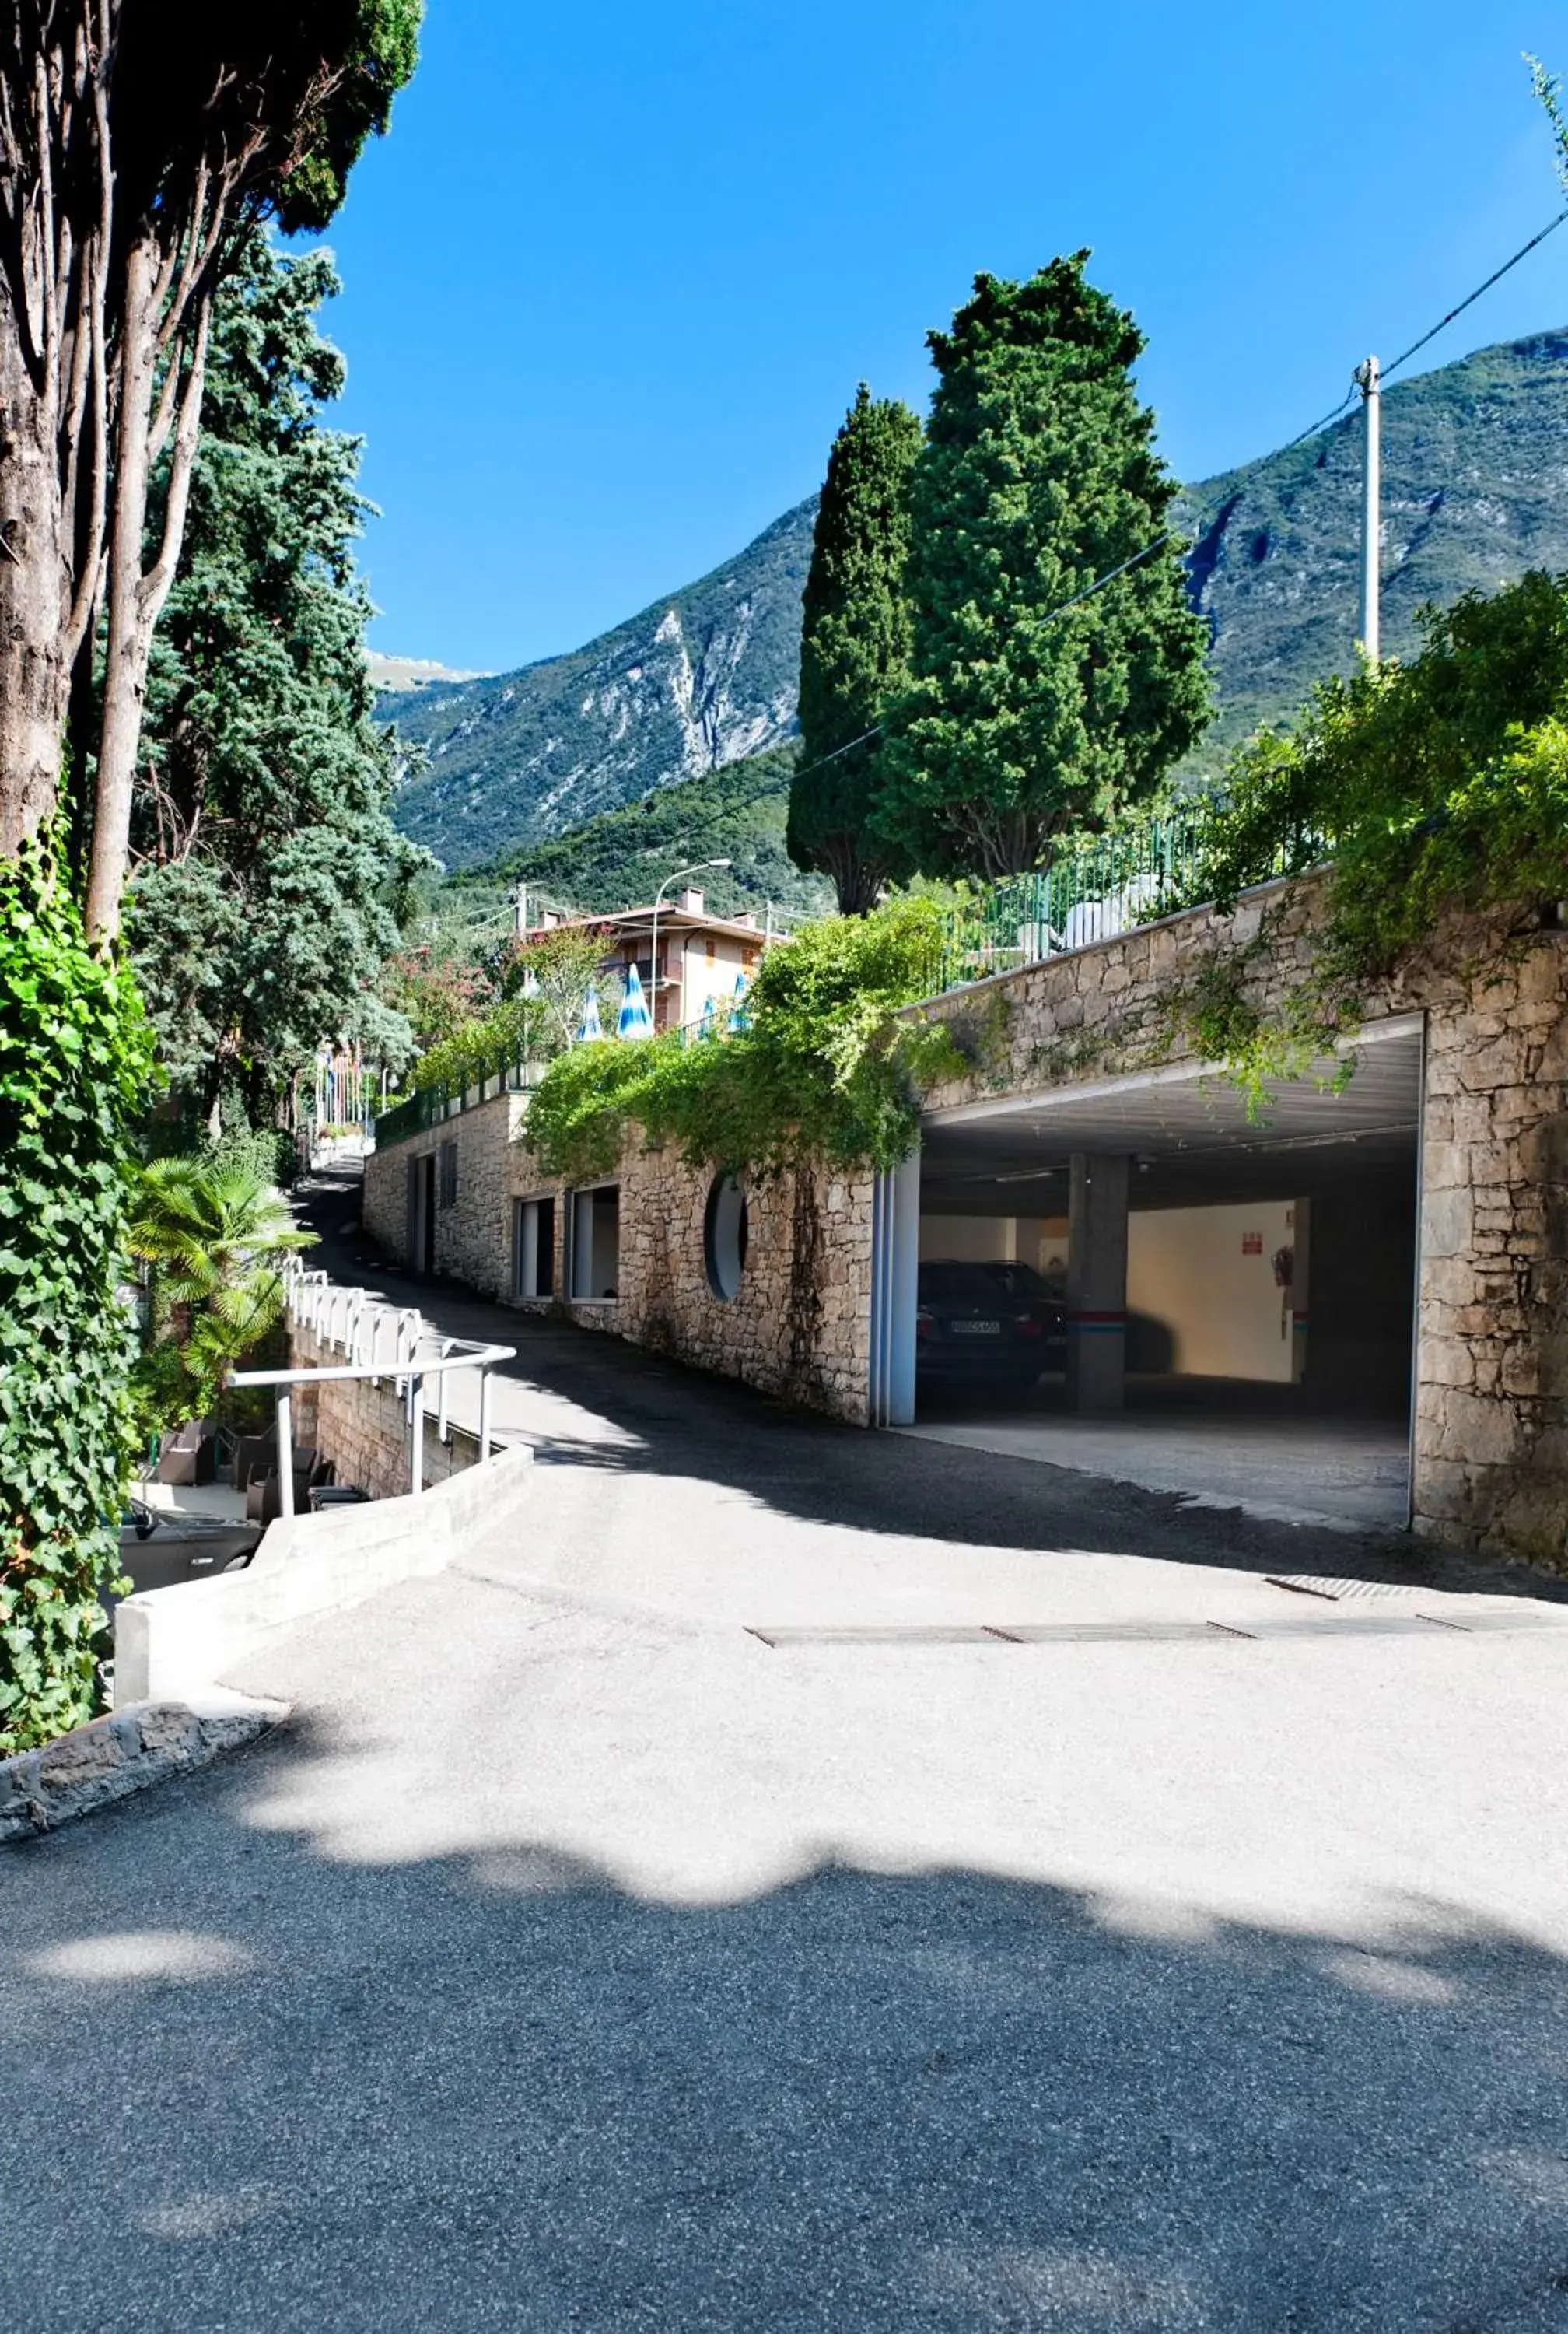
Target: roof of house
point(671, 919)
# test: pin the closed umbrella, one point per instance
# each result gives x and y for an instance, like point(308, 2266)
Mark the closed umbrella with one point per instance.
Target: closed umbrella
point(635, 1021)
point(590, 1024)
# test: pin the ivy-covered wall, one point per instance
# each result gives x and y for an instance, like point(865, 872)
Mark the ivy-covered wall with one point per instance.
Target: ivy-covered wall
point(1490, 1445)
point(799, 1322)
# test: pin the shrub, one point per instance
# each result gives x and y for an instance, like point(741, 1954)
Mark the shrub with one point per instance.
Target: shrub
point(828, 1068)
point(75, 1062)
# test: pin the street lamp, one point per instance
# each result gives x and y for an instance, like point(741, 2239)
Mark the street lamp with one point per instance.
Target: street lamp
point(698, 868)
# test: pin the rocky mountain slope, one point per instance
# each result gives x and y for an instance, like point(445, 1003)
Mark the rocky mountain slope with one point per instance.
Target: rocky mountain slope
point(1476, 491)
point(619, 859)
point(697, 681)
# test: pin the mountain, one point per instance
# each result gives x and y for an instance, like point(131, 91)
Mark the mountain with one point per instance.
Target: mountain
point(694, 682)
point(1475, 492)
point(620, 859)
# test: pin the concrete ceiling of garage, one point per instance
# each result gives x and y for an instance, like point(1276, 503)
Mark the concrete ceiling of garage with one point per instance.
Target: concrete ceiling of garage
point(1190, 1131)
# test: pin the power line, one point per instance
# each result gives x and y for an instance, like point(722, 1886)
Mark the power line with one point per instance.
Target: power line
point(1495, 277)
point(1203, 509)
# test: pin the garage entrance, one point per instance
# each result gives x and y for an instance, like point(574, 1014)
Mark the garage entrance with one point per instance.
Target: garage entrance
point(1136, 1279)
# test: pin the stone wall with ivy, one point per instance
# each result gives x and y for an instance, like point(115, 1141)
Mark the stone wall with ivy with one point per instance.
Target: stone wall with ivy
point(799, 1321)
point(1491, 1427)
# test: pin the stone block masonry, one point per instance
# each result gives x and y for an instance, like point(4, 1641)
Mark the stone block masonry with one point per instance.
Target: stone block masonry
point(799, 1322)
point(471, 1224)
point(362, 1425)
point(1490, 1441)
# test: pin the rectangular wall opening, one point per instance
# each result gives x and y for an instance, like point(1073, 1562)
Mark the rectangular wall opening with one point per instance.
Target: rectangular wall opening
point(534, 1247)
point(596, 1245)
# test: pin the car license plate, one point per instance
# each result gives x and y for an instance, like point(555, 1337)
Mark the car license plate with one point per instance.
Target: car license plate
point(977, 1328)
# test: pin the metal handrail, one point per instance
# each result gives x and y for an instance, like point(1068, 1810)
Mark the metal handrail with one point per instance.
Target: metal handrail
point(314, 1301)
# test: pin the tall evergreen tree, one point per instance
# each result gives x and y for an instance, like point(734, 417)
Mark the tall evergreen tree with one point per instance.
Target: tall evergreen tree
point(1038, 475)
point(855, 648)
point(262, 817)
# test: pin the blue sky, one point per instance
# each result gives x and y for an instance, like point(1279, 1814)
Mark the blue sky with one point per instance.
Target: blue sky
point(612, 279)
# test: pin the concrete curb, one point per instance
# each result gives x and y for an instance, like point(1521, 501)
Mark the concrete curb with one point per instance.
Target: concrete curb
point(175, 1644)
point(130, 1751)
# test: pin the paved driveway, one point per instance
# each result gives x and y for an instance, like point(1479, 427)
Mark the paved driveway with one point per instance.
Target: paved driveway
point(687, 1915)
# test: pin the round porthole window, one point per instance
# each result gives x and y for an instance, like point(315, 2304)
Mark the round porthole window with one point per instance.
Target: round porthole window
point(724, 1232)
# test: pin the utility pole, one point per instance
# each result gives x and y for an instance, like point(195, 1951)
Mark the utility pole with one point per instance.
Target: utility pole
point(520, 911)
point(1371, 509)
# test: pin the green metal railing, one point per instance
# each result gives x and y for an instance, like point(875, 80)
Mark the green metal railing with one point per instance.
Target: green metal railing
point(428, 1107)
point(1095, 892)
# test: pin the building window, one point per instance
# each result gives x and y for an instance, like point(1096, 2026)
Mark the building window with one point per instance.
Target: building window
point(724, 1236)
point(448, 1174)
point(595, 1265)
point(532, 1248)
point(711, 950)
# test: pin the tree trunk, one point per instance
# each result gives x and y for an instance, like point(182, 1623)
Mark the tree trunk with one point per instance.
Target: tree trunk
point(125, 659)
point(35, 591)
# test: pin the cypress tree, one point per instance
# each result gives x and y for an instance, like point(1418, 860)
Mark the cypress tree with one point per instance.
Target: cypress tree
point(855, 648)
point(1038, 475)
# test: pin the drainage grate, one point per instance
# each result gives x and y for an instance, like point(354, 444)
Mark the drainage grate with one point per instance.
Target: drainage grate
point(1337, 1592)
point(1149, 1633)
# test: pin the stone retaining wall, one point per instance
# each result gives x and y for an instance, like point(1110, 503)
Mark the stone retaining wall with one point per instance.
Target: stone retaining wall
point(362, 1426)
point(799, 1323)
point(471, 1227)
point(1490, 1447)
point(1491, 1429)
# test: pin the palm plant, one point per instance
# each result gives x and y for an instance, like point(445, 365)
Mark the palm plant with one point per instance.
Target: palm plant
point(212, 1238)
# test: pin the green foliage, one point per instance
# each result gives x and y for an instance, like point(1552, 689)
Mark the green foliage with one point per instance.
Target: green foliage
point(262, 912)
point(437, 988)
point(828, 1069)
point(620, 859)
point(855, 640)
point(75, 1061)
point(212, 1235)
point(1438, 785)
point(1038, 475)
point(294, 87)
point(544, 981)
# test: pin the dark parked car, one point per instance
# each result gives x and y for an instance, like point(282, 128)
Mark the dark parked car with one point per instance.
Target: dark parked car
point(969, 1331)
point(1022, 1285)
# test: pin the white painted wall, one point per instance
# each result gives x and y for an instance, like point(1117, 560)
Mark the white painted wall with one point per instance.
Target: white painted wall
point(1189, 1268)
point(701, 979)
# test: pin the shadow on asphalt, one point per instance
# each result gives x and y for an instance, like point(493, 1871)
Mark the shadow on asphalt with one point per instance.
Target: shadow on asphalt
point(681, 1420)
point(250, 2086)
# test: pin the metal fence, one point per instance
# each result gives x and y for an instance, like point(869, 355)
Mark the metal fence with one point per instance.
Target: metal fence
point(1093, 893)
point(428, 1107)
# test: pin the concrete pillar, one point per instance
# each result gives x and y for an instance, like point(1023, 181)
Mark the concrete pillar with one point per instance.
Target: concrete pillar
point(895, 1270)
point(1096, 1283)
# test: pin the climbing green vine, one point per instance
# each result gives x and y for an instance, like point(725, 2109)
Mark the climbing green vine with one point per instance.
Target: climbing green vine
point(828, 1065)
point(75, 1062)
point(1437, 788)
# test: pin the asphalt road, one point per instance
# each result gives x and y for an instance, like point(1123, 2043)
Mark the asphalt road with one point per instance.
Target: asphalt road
point(579, 1958)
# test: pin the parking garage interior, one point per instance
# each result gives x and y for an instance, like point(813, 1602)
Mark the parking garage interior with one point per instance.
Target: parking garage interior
point(1239, 1286)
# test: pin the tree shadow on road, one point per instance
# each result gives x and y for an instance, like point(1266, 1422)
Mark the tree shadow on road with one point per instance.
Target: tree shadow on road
point(261, 2085)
